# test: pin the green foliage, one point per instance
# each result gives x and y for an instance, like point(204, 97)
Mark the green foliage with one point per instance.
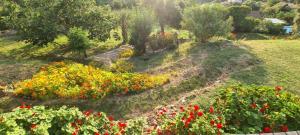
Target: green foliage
point(273, 2)
point(39, 120)
point(168, 40)
point(71, 80)
point(122, 66)
point(40, 23)
point(240, 22)
point(254, 4)
point(141, 27)
point(206, 21)
point(297, 23)
point(78, 40)
point(251, 109)
point(268, 27)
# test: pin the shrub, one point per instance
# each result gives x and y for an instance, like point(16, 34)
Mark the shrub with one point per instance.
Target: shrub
point(126, 53)
point(271, 28)
point(122, 66)
point(161, 41)
point(206, 21)
point(239, 14)
point(190, 120)
point(142, 24)
point(38, 120)
point(71, 80)
point(253, 109)
point(78, 40)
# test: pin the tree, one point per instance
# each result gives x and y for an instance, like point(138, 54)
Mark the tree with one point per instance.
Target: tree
point(168, 13)
point(78, 40)
point(141, 27)
point(40, 23)
point(297, 23)
point(239, 14)
point(207, 20)
point(123, 20)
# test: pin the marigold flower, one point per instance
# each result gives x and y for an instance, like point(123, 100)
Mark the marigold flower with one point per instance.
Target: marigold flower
point(96, 133)
point(267, 130)
point(122, 125)
point(219, 125)
point(284, 128)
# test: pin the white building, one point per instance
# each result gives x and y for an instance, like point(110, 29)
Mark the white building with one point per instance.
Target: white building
point(235, 1)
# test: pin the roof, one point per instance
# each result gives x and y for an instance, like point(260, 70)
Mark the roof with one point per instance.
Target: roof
point(275, 20)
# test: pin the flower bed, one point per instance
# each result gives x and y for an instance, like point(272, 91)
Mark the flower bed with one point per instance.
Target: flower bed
point(257, 109)
point(79, 81)
point(40, 121)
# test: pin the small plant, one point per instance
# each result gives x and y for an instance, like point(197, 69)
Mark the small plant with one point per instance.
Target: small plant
point(126, 53)
point(79, 41)
point(167, 40)
point(122, 66)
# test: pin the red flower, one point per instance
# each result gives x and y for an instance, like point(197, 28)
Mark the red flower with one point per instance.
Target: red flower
point(196, 107)
point(74, 133)
point(73, 124)
point(96, 133)
point(266, 106)
point(278, 88)
point(23, 105)
point(122, 125)
point(267, 130)
point(253, 105)
point(262, 110)
point(219, 125)
point(284, 128)
point(106, 133)
point(211, 109)
point(200, 114)
point(181, 108)
point(33, 126)
point(99, 114)
point(28, 107)
point(110, 118)
point(212, 122)
point(87, 113)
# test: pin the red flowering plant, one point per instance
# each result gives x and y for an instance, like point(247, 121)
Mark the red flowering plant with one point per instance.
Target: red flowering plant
point(26, 120)
point(256, 109)
point(190, 120)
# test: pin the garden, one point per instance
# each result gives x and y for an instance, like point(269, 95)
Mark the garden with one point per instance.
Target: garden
point(149, 67)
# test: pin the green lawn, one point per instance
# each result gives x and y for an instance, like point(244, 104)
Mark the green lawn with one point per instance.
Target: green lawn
point(280, 61)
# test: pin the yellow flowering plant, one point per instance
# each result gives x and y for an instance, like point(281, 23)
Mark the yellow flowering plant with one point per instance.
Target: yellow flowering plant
point(73, 80)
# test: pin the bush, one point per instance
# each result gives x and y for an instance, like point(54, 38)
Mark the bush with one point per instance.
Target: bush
point(27, 120)
point(71, 80)
point(206, 21)
point(270, 28)
point(126, 53)
point(256, 109)
point(162, 41)
point(122, 66)
point(191, 120)
point(78, 40)
point(296, 25)
point(142, 25)
point(239, 14)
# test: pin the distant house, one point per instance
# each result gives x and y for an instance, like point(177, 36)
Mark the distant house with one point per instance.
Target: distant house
point(235, 1)
point(286, 29)
point(275, 20)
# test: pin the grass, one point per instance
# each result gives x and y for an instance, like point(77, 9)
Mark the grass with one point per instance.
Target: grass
point(280, 60)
